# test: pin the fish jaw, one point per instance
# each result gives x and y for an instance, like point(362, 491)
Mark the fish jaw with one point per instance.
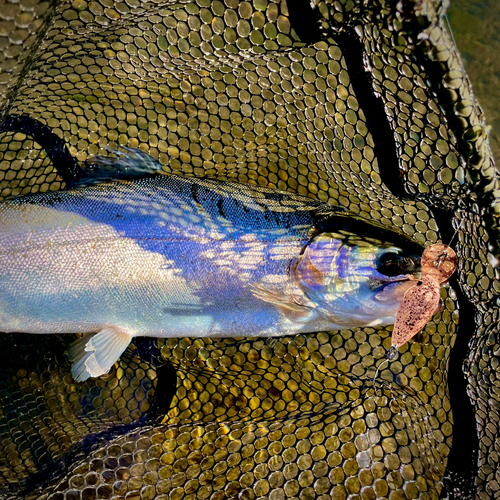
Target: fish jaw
point(366, 308)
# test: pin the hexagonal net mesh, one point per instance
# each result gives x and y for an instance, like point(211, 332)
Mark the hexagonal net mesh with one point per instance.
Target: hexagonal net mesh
point(364, 105)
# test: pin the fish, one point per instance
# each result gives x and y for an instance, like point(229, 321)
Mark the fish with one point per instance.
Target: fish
point(130, 251)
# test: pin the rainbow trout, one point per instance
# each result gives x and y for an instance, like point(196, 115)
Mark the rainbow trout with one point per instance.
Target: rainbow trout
point(168, 256)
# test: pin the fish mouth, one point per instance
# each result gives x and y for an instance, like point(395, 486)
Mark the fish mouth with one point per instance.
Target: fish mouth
point(379, 284)
point(392, 291)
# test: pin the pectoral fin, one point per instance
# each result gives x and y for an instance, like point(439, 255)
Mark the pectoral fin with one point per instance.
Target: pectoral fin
point(290, 309)
point(95, 354)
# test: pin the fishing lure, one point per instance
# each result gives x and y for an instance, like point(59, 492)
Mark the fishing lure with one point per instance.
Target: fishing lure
point(422, 300)
point(168, 256)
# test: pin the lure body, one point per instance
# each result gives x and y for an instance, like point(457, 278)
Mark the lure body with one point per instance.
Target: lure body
point(170, 256)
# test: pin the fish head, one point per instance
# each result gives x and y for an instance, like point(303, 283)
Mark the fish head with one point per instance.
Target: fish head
point(356, 280)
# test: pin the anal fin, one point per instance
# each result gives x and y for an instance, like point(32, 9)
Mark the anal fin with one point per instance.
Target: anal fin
point(95, 354)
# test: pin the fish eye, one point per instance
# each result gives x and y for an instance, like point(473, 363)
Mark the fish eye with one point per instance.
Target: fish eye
point(394, 263)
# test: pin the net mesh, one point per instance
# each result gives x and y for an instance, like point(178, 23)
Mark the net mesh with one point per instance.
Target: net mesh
point(363, 105)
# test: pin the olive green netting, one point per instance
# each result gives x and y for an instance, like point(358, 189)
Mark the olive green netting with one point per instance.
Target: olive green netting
point(231, 91)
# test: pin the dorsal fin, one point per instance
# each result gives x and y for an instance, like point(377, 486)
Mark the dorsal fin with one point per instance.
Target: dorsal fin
point(128, 165)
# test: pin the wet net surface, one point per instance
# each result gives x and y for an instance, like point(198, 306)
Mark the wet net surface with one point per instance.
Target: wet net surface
point(364, 105)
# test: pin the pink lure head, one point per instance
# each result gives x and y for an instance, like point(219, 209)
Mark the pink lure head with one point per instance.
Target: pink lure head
point(438, 263)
